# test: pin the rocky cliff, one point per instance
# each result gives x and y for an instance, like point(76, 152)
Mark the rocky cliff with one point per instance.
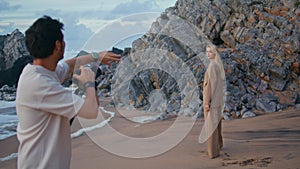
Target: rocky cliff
point(259, 43)
point(13, 57)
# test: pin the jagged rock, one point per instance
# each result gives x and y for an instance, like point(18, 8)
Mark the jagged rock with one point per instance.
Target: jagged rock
point(248, 114)
point(12, 48)
point(289, 3)
point(260, 43)
point(168, 59)
point(11, 76)
point(13, 57)
point(267, 103)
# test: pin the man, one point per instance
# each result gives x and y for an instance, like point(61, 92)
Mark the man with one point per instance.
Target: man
point(44, 106)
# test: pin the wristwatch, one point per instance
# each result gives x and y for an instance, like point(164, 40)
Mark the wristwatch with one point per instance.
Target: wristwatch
point(95, 56)
point(88, 84)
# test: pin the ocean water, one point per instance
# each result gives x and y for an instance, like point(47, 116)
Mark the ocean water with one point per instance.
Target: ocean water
point(8, 119)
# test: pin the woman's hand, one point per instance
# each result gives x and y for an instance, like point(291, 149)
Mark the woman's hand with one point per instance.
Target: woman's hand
point(206, 108)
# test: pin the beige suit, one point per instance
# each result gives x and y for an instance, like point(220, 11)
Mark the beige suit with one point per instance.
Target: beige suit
point(213, 93)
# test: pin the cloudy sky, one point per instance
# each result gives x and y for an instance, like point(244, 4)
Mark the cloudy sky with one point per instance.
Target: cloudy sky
point(81, 18)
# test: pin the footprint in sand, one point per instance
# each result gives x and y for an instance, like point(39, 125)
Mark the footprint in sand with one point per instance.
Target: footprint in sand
point(226, 156)
point(203, 152)
point(289, 156)
point(258, 161)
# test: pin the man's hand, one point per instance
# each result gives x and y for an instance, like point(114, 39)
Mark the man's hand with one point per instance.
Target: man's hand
point(106, 57)
point(86, 75)
point(103, 57)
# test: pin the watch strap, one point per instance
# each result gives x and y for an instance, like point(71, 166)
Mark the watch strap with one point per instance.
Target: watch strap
point(88, 84)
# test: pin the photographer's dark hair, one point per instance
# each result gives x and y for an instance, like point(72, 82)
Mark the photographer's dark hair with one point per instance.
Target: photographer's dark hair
point(40, 38)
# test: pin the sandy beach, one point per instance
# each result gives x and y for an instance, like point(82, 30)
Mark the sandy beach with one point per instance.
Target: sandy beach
point(266, 141)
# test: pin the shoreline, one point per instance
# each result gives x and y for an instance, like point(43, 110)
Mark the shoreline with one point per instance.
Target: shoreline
point(266, 141)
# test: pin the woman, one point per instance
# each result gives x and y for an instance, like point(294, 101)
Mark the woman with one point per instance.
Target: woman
point(213, 102)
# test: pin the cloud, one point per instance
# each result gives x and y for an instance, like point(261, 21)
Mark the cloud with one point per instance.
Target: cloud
point(7, 28)
point(75, 34)
point(136, 7)
point(5, 6)
point(121, 32)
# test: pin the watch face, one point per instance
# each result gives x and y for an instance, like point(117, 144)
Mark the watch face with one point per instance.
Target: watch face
point(95, 56)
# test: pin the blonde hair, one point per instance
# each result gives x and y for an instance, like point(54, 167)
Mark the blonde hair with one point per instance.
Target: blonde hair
point(217, 59)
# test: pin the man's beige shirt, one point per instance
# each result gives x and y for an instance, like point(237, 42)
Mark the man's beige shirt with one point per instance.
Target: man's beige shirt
point(44, 108)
